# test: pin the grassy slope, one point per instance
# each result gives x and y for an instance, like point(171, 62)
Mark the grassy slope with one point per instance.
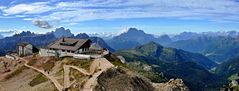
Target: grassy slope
point(194, 75)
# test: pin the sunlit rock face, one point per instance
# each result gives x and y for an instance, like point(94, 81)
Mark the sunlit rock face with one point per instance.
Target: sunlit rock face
point(121, 80)
point(62, 32)
point(171, 85)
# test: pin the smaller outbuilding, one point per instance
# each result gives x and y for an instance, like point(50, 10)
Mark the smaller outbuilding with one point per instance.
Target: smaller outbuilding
point(24, 49)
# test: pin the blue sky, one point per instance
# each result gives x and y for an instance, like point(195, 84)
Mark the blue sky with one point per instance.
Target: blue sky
point(91, 16)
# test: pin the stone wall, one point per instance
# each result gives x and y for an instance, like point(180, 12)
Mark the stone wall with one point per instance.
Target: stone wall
point(46, 52)
point(10, 57)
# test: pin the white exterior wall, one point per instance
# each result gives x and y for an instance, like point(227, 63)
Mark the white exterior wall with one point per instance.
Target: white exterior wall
point(81, 56)
point(79, 51)
point(60, 53)
point(20, 50)
point(63, 54)
point(28, 50)
point(82, 50)
point(46, 52)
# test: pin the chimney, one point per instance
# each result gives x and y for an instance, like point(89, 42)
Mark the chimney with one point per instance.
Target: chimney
point(63, 40)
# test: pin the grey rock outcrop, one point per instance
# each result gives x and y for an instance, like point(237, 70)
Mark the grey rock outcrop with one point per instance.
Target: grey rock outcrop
point(121, 80)
point(171, 85)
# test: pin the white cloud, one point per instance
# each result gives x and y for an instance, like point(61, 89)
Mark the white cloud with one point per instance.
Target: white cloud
point(2, 7)
point(28, 19)
point(20, 16)
point(77, 11)
point(42, 24)
point(73, 23)
point(34, 8)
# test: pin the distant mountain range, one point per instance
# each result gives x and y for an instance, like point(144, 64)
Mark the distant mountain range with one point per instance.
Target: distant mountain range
point(191, 67)
point(217, 46)
point(173, 37)
point(185, 36)
point(193, 35)
point(103, 35)
point(218, 49)
point(134, 37)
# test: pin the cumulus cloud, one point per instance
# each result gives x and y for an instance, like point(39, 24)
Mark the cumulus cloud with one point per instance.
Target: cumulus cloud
point(41, 24)
point(83, 10)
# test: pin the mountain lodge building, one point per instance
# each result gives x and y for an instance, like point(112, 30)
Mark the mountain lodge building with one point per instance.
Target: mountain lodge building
point(70, 45)
point(77, 48)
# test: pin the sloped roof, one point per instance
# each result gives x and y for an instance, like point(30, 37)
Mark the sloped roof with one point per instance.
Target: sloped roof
point(68, 44)
point(23, 44)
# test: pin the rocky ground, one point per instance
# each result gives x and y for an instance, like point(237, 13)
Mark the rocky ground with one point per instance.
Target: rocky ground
point(21, 83)
point(120, 79)
point(7, 66)
point(98, 75)
point(171, 85)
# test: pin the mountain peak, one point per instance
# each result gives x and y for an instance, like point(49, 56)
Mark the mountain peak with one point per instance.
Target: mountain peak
point(135, 30)
point(82, 36)
point(151, 47)
point(62, 32)
point(152, 44)
point(132, 31)
point(133, 34)
point(24, 34)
